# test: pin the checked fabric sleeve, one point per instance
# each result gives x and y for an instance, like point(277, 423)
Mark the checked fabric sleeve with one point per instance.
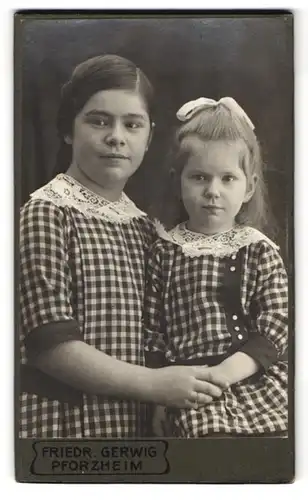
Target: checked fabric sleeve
point(269, 334)
point(47, 316)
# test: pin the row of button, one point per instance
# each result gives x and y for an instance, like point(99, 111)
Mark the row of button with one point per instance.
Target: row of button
point(234, 317)
point(237, 328)
point(232, 268)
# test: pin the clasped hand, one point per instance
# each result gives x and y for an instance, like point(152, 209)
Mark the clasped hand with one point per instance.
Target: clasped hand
point(203, 385)
point(190, 386)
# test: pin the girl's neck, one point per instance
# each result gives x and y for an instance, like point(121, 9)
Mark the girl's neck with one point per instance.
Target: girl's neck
point(110, 193)
point(197, 228)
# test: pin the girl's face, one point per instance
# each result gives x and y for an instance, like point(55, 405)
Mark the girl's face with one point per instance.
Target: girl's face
point(110, 136)
point(214, 186)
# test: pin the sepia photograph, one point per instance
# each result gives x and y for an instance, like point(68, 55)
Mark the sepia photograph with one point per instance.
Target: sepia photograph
point(154, 167)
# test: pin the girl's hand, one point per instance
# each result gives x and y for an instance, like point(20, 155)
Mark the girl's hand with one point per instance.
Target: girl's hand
point(186, 386)
point(217, 376)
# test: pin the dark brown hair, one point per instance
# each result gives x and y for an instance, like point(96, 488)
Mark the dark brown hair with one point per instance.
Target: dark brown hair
point(104, 72)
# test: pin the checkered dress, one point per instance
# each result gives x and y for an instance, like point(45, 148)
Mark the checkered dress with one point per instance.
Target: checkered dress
point(185, 319)
point(82, 266)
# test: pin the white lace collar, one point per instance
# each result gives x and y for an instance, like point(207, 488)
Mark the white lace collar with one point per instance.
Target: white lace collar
point(64, 191)
point(218, 245)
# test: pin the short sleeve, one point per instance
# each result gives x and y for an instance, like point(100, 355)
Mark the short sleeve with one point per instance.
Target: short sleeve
point(269, 309)
point(45, 279)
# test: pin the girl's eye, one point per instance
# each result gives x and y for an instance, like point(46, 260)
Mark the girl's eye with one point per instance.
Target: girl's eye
point(198, 177)
point(228, 178)
point(133, 125)
point(98, 122)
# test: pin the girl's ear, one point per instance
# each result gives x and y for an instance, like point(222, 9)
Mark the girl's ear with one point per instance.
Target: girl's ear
point(251, 187)
point(68, 139)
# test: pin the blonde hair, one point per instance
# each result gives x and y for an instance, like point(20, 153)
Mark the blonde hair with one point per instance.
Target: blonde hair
point(217, 123)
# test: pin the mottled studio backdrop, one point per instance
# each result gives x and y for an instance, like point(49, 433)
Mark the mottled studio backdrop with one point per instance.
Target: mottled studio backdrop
point(249, 59)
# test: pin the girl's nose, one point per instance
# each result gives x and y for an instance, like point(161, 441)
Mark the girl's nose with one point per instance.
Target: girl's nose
point(212, 189)
point(115, 135)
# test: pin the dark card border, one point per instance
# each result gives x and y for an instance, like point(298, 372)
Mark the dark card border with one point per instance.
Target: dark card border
point(212, 460)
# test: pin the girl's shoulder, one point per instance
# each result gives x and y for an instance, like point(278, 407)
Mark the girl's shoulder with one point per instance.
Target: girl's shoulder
point(162, 245)
point(45, 204)
point(65, 192)
point(219, 245)
point(37, 209)
point(164, 239)
point(246, 236)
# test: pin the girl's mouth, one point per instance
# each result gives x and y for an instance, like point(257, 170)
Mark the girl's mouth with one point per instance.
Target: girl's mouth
point(114, 156)
point(212, 208)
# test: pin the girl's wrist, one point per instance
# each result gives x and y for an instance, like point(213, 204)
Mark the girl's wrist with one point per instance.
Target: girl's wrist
point(146, 384)
point(236, 368)
point(152, 386)
point(222, 371)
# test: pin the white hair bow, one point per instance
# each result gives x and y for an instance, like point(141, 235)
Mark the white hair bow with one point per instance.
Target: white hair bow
point(190, 108)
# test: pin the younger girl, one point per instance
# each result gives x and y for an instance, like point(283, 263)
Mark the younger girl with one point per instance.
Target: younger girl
point(216, 286)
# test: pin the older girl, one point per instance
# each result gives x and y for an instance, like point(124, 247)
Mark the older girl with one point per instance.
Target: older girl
point(82, 262)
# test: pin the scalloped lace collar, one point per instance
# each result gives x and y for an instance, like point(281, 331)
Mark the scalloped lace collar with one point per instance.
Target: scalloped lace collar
point(65, 191)
point(219, 245)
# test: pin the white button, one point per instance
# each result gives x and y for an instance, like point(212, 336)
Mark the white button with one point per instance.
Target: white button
point(233, 257)
point(234, 316)
point(240, 336)
point(237, 328)
point(232, 268)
